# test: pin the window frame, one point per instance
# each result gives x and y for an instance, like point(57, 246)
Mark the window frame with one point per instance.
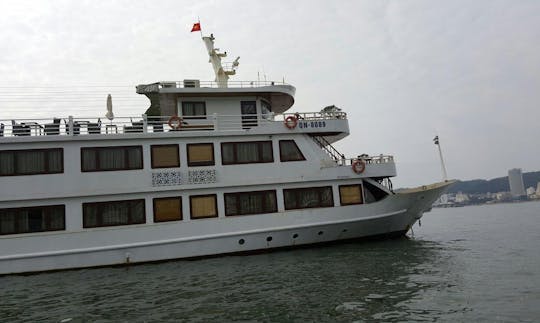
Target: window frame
point(196, 164)
point(44, 208)
point(126, 159)
point(319, 190)
point(351, 185)
point(100, 213)
point(283, 160)
point(195, 116)
point(161, 146)
point(167, 198)
point(259, 151)
point(237, 194)
point(202, 217)
point(47, 161)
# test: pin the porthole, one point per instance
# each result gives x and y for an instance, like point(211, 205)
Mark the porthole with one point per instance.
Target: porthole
point(295, 236)
point(320, 233)
point(268, 239)
point(241, 241)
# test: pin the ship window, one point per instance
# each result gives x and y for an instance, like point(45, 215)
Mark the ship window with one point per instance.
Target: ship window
point(250, 203)
point(350, 194)
point(31, 162)
point(165, 156)
point(266, 109)
point(289, 151)
point(303, 198)
point(247, 152)
point(104, 214)
point(203, 206)
point(200, 154)
point(95, 159)
point(167, 209)
point(32, 219)
point(373, 193)
point(194, 110)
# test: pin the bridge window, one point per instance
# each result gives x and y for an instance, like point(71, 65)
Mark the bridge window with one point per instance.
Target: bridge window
point(247, 152)
point(31, 162)
point(32, 219)
point(167, 209)
point(250, 203)
point(350, 194)
point(194, 110)
point(104, 214)
point(303, 198)
point(203, 206)
point(165, 156)
point(289, 151)
point(200, 154)
point(95, 159)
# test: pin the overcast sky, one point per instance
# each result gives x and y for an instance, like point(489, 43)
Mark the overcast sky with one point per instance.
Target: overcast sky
point(404, 71)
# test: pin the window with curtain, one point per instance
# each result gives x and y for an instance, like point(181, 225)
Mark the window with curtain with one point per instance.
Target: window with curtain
point(244, 203)
point(31, 162)
point(289, 151)
point(247, 152)
point(350, 194)
point(167, 209)
point(103, 214)
point(194, 110)
point(32, 219)
point(203, 206)
point(165, 156)
point(95, 159)
point(304, 198)
point(200, 154)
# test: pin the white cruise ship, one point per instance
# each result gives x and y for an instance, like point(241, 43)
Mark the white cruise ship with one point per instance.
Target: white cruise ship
point(211, 168)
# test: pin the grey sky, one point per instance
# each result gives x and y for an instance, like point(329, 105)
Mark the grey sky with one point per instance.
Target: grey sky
point(404, 71)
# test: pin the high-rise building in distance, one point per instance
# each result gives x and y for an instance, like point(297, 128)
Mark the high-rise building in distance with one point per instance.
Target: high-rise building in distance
point(515, 179)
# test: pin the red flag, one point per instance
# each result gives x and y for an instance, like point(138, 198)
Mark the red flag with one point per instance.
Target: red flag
point(196, 27)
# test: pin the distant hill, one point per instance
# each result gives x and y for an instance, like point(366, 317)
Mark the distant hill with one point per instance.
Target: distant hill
point(499, 184)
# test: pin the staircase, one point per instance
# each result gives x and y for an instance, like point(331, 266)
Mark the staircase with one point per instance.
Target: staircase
point(328, 148)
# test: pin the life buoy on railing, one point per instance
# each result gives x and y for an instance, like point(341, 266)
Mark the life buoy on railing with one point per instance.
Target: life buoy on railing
point(175, 122)
point(358, 166)
point(291, 122)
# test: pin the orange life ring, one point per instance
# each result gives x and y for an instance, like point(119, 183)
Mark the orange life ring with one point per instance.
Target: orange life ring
point(291, 122)
point(358, 166)
point(175, 122)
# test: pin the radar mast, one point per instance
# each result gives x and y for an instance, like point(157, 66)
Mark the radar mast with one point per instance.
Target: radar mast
point(222, 72)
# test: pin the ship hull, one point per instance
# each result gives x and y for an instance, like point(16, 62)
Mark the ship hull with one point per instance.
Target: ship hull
point(394, 215)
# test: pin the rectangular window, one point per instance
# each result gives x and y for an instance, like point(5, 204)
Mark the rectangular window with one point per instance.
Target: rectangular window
point(350, 194)
point(250, 203)
point(32, 219)
point(167, 209)
point(31, 162)
point(304, 198)
point(289, 151)
point(104, 214)
point(165, 156)
point(249, 114)
point(95, 159)
point(247, 152)
point(200, 154)
point(203, 206)
point(194, 110)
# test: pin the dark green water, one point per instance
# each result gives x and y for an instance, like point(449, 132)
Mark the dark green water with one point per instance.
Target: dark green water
point(464, 264)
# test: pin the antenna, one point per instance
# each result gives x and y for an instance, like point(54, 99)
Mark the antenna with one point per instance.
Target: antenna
point(222, 72)
point(443, 168)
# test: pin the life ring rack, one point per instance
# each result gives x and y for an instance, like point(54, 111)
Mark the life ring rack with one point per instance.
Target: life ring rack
point(175, 122)
point(291, 122)
point(358, 166)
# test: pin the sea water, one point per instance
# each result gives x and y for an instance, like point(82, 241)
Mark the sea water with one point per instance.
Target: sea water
point(478, 263)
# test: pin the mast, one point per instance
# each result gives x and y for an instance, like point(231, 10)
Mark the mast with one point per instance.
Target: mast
point(222, 72)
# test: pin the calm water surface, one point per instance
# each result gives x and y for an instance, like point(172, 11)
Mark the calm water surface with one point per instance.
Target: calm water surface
point(463, 264)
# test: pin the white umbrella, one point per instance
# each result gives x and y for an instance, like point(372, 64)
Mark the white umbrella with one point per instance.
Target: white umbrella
point(110, 114)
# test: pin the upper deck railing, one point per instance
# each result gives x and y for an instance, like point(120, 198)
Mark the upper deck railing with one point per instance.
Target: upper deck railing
point(154, 87)
point(75, 126)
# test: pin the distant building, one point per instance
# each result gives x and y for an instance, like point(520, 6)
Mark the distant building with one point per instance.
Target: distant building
point(515, 179)
point(538, 189)
point(531, 191)
point(461, 198)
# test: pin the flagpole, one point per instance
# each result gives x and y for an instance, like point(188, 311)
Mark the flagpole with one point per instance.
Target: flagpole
point(443, 167)
point(200, 29)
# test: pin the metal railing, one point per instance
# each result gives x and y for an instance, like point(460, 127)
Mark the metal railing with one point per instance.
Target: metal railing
point(213, 84)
